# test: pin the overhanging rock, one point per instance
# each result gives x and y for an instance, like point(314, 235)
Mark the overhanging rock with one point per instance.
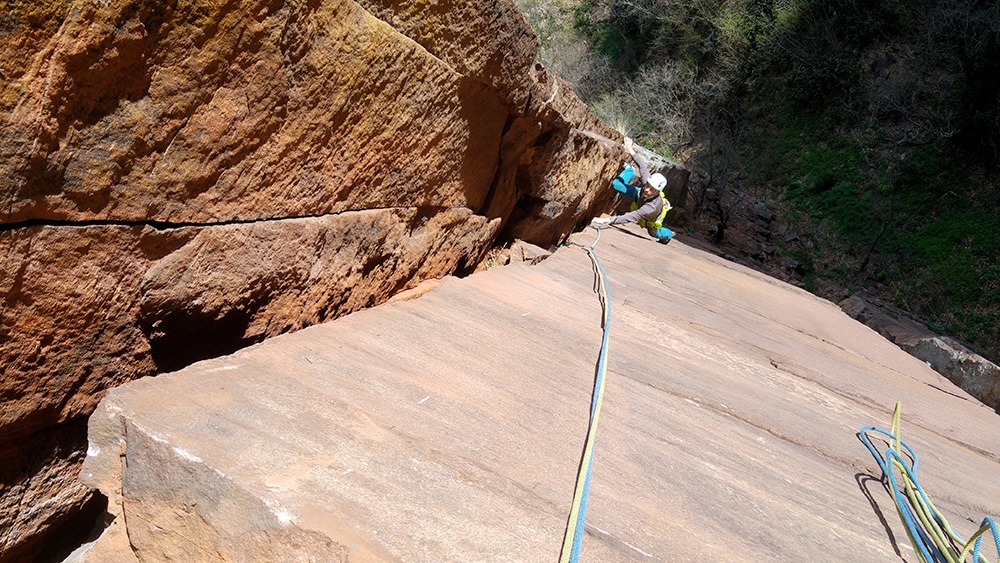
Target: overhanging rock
point(952, 359)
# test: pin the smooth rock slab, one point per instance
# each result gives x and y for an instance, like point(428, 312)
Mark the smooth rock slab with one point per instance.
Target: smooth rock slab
point(450, 427)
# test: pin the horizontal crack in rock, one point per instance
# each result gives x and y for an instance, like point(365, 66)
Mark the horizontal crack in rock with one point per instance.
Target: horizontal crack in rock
point(168, 225)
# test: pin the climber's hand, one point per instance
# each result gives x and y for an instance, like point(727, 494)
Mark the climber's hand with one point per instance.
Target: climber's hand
point(601, 222)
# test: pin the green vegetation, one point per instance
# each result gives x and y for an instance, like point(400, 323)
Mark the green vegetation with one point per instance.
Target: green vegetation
point(871, 127)
point(919, 231)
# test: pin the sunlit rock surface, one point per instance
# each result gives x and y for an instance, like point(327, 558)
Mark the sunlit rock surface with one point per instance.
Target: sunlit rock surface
point(181, 179)
point(451, 427)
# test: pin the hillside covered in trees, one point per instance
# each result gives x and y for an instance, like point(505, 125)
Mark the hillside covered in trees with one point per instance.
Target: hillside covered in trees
point(870, 127)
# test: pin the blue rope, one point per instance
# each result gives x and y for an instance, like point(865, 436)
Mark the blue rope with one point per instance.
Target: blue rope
point(918, 536)
point(577, 519)
point(940, 543)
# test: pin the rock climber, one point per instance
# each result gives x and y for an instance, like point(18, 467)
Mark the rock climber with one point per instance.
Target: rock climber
point(649, 205)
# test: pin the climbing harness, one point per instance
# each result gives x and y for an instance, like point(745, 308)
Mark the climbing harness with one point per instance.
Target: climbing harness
point(658, 222)
point(574, 527)
point(931, 535)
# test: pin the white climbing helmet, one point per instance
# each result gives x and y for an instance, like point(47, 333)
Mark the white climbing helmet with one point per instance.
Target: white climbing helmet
point(657, 181)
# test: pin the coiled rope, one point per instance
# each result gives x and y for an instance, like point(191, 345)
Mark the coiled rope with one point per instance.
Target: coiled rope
point(931, 535)
point(574, 527)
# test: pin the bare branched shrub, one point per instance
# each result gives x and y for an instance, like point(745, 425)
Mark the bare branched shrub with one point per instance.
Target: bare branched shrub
point(666, 96)
point(915, 101)
point(612, 108)
point(566, 52)
point(597, 79)
point(657, 105)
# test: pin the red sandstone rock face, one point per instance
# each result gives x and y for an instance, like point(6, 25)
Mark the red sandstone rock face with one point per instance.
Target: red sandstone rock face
point(252, 111)
point(40, 494)
point(238, 284)
point(488, 42)
point(69, 318)
point(179, 179)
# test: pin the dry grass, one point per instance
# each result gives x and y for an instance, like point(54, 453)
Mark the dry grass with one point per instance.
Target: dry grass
point(496, 256)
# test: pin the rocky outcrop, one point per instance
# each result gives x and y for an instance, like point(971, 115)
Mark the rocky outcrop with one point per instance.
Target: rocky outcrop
point(965, 368)
point(181, 179)
point(952, 359)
